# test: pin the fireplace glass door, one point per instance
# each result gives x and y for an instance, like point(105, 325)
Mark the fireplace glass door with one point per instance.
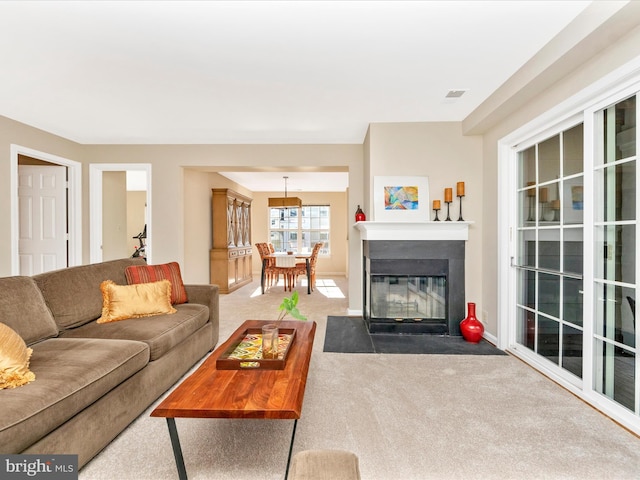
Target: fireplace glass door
point(408, 297)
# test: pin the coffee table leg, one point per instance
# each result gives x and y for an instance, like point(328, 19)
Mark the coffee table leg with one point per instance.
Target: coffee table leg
point(177, 451)
point(293, 437)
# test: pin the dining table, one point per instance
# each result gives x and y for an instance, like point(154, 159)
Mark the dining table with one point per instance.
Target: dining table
point(287, 260)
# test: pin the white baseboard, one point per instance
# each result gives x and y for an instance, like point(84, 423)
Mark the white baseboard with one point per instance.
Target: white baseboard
point(490, 338)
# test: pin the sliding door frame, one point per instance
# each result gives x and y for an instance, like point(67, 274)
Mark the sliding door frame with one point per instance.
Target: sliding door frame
point(582, 106)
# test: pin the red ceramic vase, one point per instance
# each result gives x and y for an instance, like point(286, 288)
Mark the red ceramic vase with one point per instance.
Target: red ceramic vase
point(360, 216)
point(471, 328)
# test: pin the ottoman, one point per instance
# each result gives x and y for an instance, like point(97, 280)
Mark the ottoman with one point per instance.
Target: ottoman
point(324, 465)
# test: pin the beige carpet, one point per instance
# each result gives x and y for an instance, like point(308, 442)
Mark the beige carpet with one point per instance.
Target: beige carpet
point(405, 416)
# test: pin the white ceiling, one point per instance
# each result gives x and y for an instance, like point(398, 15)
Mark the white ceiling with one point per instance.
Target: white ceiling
point(259, 71)
point(182, 72)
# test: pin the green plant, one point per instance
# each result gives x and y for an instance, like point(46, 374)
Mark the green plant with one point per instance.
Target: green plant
point(289, 306)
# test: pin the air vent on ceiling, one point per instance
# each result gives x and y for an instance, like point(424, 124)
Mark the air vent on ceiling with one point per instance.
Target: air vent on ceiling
point(455, 93)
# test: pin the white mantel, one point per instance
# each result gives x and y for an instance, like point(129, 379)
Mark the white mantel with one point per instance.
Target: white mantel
point(413, 230)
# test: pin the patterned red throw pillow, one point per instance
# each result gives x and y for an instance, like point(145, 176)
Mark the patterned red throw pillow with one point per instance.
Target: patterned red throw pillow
point(154, 273)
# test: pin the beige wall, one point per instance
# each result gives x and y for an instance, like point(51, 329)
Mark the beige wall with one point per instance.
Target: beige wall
point(197, 217)
point(114, 216)
point(181, 218)
point(12, 132)
point(136, 205)
point(600, 64)
point(181, 211)
point(197, 225)
point(356, 266)
point(440, 152)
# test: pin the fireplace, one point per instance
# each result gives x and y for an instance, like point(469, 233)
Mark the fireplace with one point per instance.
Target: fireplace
point(413, 276)
point(417, 297)
point(413, 286)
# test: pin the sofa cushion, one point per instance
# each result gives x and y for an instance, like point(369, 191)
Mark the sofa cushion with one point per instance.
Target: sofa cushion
point(73, 294)
point(153, 273)
point(160, 332)
point(14, 359)
point(71, 374)
point(120, 302)
point(23, 309)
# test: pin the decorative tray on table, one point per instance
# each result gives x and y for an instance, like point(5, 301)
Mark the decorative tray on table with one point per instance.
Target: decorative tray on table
point(245, 351)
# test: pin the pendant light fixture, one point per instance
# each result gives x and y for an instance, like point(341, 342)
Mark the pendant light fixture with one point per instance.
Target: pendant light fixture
point(285, 201)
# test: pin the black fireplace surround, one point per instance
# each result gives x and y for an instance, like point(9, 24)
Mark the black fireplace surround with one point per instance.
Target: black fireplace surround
point(416, 258)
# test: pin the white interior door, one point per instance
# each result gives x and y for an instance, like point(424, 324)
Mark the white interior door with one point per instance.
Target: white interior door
point(42, 209)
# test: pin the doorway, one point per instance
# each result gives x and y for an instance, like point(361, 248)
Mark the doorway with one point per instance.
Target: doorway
point(72, 214)
point(104, 184)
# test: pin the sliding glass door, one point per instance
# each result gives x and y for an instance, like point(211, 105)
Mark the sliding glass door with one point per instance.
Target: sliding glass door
point(574, 255)
point(549, 259)
point(615, 180)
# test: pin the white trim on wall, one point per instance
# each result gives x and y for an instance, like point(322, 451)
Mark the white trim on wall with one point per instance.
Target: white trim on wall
point(74, 206)
point(95, 204)
point(506, 243)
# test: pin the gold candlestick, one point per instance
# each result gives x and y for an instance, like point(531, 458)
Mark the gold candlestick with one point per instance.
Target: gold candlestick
point(460, 219)
point(448, 195)
point(436, 208)
point(448, 198)
point(460, 194)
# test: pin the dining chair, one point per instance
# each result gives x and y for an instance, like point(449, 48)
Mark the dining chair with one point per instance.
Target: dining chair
point(270, 272)
point(301, 268)
point(286, 265)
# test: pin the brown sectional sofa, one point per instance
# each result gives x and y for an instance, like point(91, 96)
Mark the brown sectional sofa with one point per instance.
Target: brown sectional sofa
point(92, 380)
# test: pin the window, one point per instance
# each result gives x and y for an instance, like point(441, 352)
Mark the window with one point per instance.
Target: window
point(299, 229)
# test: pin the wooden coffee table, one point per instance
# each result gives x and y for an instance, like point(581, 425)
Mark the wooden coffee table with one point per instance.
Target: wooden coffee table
point(246, 393)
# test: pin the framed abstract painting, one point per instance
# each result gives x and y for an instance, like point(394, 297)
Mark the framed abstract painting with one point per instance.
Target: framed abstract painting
point(401, 199)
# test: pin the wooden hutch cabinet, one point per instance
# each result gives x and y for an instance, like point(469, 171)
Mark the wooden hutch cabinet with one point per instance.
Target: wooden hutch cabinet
point(231, 254)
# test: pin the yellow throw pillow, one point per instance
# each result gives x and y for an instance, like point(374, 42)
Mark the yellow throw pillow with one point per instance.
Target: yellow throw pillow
point(120, 302)
point(14, 359)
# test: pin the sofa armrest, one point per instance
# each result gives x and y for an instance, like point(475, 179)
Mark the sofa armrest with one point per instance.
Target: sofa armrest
point(207, 295)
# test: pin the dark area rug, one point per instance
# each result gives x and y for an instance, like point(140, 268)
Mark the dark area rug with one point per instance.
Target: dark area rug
point(350, 335)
